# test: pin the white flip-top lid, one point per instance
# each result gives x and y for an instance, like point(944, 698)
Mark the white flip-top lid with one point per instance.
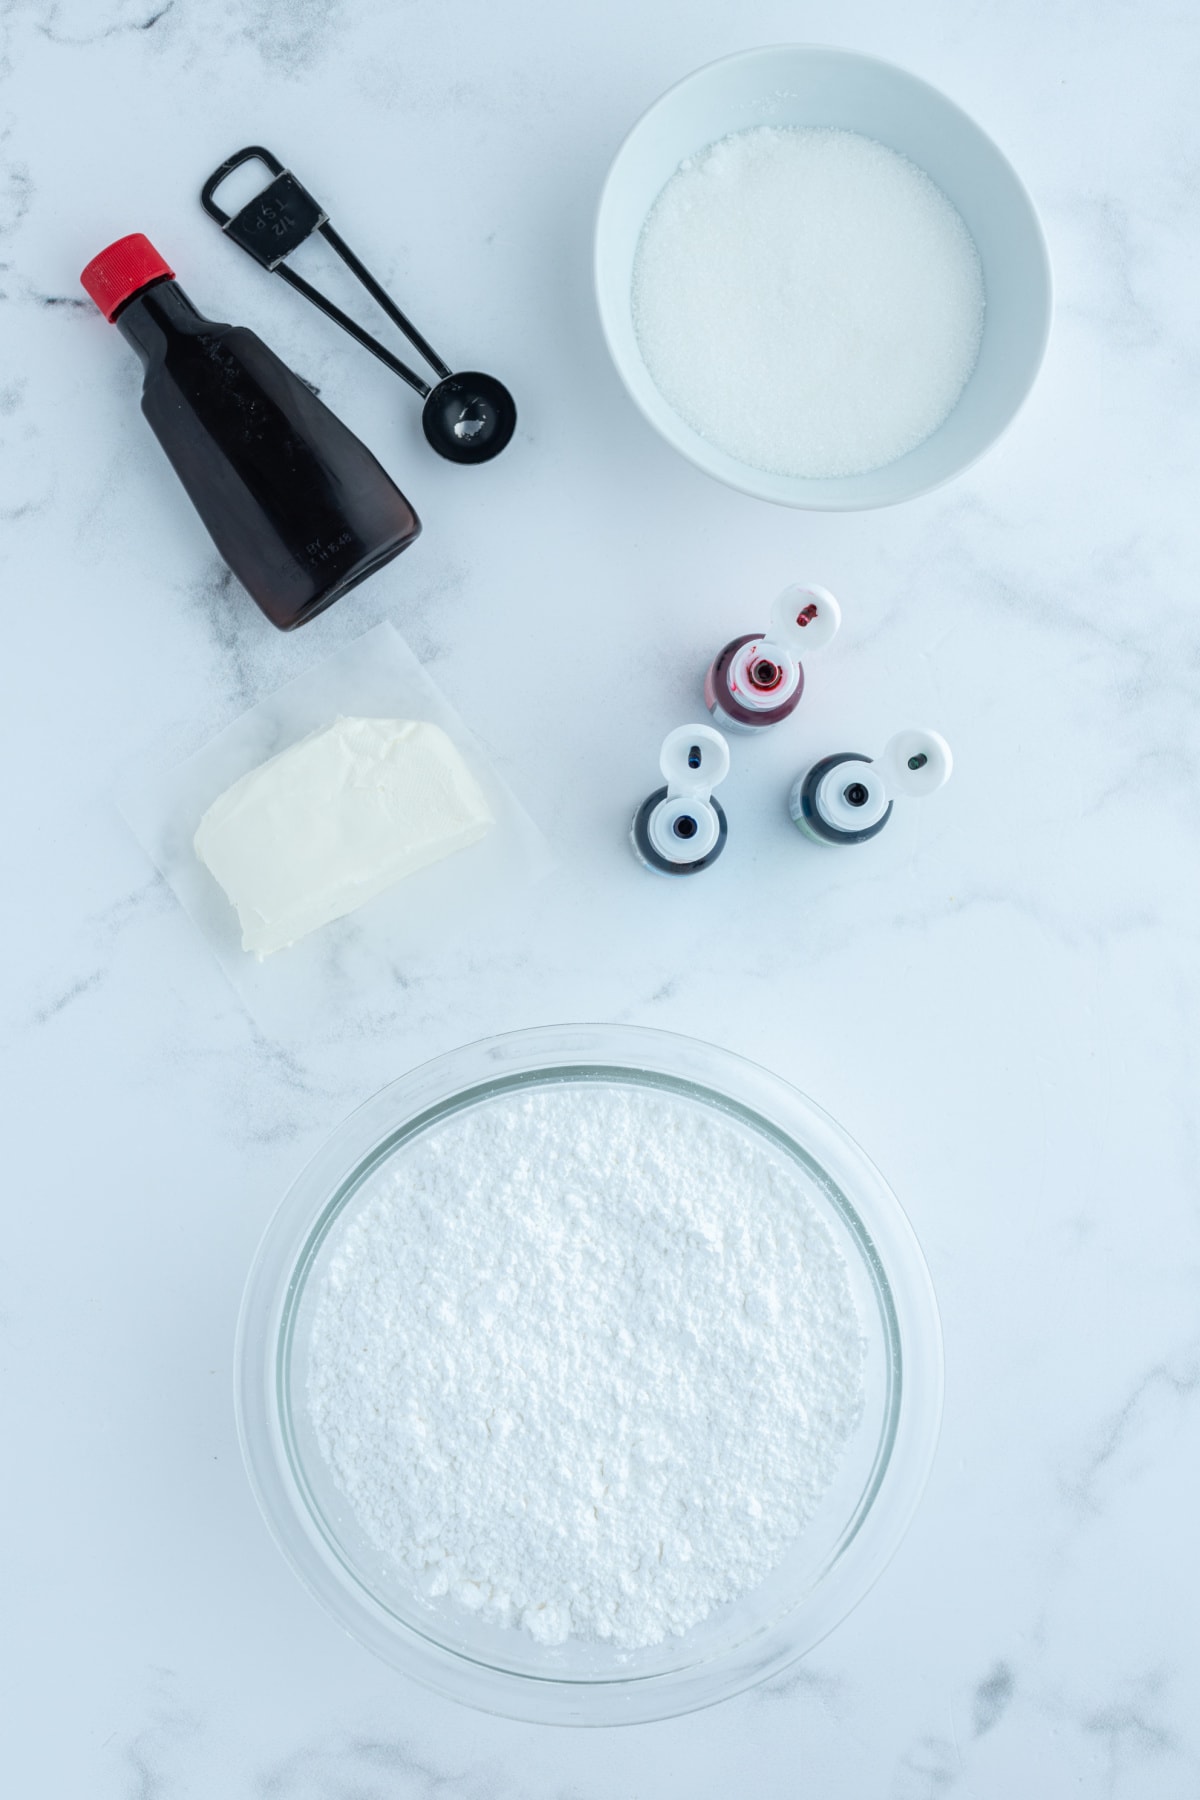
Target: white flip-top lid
point(694, 759)
point(685, 826)
point(803, 619)
point(916, 763)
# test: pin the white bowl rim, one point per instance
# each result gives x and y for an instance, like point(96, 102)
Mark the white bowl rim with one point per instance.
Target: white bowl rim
point(749, 485)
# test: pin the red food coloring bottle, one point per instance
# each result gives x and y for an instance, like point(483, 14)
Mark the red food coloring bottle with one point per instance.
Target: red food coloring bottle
point(758, 680)
point(296, 504)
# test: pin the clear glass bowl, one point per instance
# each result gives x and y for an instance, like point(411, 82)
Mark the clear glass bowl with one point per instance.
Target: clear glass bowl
point(832, 1564)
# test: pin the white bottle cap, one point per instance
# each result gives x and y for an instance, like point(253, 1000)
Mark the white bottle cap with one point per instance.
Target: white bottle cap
point(916, 763)
point(685, 826)
point(852, 796)
point(803, 619)
point(856, 793)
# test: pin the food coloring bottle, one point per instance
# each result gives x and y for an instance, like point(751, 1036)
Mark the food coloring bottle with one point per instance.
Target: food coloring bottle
point(758, 680)
point(680, 829)
point(847, 799)
point(296, 504)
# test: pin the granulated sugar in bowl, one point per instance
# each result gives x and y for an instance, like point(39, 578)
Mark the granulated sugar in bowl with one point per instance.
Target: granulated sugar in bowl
point(589, 1374)
point(818, 278)
point(808, 300)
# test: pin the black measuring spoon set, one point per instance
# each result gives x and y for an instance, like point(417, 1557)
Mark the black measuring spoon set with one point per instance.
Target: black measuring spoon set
point(468, 417)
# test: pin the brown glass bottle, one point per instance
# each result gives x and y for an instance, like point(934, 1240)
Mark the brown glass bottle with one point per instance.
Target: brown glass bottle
point(295, 503)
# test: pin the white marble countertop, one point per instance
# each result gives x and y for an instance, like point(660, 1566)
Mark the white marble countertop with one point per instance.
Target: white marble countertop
point(998, 999)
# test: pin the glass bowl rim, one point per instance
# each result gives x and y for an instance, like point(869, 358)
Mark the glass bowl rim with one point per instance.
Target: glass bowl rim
point(337, 1170)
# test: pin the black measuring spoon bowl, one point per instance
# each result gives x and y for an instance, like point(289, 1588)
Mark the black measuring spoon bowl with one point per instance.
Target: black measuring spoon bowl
point(469, 418)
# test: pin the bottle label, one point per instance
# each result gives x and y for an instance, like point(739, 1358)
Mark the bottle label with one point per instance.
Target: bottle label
point(727, 720)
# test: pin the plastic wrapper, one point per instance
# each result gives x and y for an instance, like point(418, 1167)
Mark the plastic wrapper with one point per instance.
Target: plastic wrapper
point(342, 964)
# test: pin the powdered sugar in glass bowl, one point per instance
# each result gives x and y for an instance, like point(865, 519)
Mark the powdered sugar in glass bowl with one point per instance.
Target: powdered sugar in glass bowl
point(851, 1522)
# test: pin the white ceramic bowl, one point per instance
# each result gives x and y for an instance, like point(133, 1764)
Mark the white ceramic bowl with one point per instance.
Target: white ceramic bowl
point(843, 1547)
point(807, 84)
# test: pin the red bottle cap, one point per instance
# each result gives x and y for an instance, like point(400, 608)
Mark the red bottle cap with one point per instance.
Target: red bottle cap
point(122, 270)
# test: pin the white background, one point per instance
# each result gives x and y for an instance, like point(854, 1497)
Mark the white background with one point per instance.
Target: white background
point(997, 999)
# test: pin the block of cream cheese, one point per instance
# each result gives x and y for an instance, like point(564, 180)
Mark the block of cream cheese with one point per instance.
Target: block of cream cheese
point(334, 820)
